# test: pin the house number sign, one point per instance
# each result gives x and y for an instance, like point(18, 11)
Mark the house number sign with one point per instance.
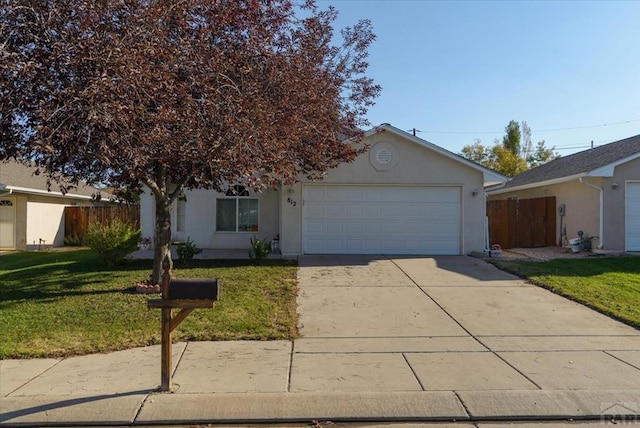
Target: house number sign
point(292, 202)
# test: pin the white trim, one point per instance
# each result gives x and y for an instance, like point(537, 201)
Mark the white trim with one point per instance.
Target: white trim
point(608, 170)
point(536, 184)
point(626, 212)
point(48, 193)
point(237, 199)
point(603, 171)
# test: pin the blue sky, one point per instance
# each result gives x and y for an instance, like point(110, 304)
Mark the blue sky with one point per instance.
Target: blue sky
point(461, 70)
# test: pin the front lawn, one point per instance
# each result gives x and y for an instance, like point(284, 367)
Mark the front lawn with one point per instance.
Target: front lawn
point(610, 285)
point(64, 303)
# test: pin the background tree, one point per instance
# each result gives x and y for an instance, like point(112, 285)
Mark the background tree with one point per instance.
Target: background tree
point(511, 139)
point(174, 95)
point(477, 152)
point(526, 146)
point(541, 155)
point(513, 155)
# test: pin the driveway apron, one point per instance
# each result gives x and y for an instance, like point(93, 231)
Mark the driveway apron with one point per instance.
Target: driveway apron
point(450, 324)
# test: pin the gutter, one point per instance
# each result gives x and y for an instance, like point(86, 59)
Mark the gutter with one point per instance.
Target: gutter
point(3, 188)
point(601, 190)
point(47, 193)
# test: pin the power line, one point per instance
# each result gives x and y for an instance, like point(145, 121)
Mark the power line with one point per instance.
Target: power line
point(588, 126)
point(533, 130)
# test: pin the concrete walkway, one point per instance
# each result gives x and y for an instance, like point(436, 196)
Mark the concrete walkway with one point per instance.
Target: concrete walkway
point(385, 339)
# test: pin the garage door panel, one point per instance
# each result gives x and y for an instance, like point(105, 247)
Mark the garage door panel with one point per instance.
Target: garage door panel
point(353, 228)
point(382, 219)
point(315, 227)
point(353, 211)
point(332, 227)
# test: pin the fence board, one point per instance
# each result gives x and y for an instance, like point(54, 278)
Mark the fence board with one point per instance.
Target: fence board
point(78, 219)
point(522, 223)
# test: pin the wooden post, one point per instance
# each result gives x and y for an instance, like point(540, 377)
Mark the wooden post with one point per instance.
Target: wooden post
point(188, 295)
point(165, 384)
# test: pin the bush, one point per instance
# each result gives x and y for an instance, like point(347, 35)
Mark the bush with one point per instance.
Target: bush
point(187, 250)
point(112, 242)
point(259, 250)
point(73, 240)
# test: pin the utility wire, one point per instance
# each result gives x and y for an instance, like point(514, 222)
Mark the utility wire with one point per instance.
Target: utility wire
point(533, 130)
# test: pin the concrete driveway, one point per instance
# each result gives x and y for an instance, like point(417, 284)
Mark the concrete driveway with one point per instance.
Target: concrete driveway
point(453, 324)
point(385, 339)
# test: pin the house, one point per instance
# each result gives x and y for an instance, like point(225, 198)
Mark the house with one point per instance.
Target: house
point(402, 196)
point(31, 216)
point(596, 191)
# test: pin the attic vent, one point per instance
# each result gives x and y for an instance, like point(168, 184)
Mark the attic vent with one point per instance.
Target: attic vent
point(383, 156)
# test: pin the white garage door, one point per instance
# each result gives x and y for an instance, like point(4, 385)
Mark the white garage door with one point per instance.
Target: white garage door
point(381, 220)
point(632, 220)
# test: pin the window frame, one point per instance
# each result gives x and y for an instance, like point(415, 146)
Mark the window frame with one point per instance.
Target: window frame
point(238, 193)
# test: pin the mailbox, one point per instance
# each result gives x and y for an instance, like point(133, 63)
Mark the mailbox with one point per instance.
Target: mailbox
point(180, 289)
point(183, 294)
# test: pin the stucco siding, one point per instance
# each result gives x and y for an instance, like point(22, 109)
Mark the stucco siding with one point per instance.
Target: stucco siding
point(200, 219)
point(45, 221)
point(582, 205)
point(393, 159)
point(147, 213)
point(410, 165)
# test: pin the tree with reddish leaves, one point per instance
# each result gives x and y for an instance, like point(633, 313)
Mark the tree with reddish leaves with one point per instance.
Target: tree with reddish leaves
point(180, 95)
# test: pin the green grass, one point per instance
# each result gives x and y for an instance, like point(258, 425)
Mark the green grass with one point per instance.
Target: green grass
point(63, 303)
point(610, 285)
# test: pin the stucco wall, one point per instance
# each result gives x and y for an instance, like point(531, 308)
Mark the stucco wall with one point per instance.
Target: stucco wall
point(45, 220)
point(21, 223)
point(200, 219)
point(411, 165)
point(582, 205)
point(147, 214)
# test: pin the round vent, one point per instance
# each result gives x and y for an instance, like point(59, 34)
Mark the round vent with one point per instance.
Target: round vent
point(383, 156)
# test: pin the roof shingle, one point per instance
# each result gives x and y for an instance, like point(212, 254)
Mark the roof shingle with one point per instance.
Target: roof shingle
point(578, 163)
point(18, 175)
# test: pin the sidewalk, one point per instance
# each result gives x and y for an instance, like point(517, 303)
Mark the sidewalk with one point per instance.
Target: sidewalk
point(385, 340)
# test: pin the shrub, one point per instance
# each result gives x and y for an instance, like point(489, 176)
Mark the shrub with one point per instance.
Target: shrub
point(259, 249)
point(73, 240)
point(187, 250)
point(112, 242)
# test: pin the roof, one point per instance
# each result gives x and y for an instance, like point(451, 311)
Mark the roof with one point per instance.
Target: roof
point(22, 178)
point(597, 162)
point(491, 177)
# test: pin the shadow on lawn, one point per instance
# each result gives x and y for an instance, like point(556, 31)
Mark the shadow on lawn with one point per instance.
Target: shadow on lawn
point(47, 278)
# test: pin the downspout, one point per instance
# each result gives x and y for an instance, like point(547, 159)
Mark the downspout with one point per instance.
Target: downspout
point(601, 190)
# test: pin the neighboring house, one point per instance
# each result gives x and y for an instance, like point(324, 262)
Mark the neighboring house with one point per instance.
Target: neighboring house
point(403, 196)
point(598, 191)
point(32, 217)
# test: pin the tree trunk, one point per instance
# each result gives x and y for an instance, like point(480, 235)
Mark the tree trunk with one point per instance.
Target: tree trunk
point(162, 237)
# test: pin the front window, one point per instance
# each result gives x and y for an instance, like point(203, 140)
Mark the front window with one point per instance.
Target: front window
point(237, 212)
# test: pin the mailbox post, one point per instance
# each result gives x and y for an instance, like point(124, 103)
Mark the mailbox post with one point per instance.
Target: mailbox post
point(183, 294)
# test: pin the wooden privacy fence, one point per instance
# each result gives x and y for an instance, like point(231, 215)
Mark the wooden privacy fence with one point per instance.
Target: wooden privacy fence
point(78, 219)
point(522, 223)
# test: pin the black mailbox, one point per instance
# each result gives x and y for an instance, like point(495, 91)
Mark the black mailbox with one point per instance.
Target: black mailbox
point(193, 289)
